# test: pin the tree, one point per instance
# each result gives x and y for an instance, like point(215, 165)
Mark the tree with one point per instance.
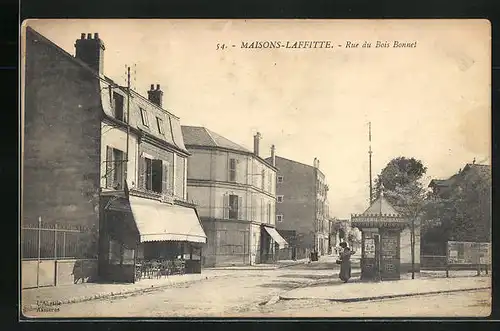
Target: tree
point(402, 188)
point(400, 171)
point(413, 201)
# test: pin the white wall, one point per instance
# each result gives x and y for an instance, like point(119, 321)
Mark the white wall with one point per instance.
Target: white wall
point(199, 164)
point(117, 138)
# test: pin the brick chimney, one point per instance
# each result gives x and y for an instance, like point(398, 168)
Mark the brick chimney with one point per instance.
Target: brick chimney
point(256, 141)
point(273, 156)
point(91, 51)
point(155, 95)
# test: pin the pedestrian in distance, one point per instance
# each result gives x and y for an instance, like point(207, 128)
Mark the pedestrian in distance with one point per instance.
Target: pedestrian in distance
point(345, 262)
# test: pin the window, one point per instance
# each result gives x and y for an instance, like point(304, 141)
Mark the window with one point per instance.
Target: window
point(155, 175)
point(159, 123)
point(279, 198)
point(118, 106)
point(233, 207)
point(280, 179)
point(232, 170)
point(144, 117)
point(279, 218)
point(116, 168)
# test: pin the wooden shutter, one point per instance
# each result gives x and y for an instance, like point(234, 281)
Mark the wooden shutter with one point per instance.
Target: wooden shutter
point(165, 177)
point(109, 166)
point(225, 206)
point(124, 169)
point(240, 208)
point(141, 179)
point(262, 210)
point(254, 208)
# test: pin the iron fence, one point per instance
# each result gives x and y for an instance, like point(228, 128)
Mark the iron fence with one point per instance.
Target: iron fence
point(56, 242)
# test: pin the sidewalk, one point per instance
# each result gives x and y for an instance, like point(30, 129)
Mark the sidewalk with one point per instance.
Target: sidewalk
point(358, 291)
point(50, 296)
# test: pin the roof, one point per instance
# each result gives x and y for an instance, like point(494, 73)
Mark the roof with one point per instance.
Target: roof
point(201, 136)
point(293, 161)
point(171, 125)
point(381, 207)
point(482, 170)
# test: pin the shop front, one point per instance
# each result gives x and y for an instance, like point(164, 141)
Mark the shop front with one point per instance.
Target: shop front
point(271, 243)
point(147, 238)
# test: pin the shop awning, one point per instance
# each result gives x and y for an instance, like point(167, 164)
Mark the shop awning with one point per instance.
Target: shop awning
point(276, 237)
point(157, 221)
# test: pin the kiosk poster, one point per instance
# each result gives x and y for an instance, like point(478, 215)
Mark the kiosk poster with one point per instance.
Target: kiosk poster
point(370, 248)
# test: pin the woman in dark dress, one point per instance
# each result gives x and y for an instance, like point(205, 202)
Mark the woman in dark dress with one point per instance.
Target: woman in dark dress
point(345, 262)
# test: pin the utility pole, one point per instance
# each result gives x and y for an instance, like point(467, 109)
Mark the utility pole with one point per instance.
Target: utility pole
point(128, 123)
point(370, 159)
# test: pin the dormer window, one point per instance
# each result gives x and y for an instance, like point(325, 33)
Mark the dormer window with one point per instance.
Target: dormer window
point(144, 117)
point(118, 106)
point(159, 123)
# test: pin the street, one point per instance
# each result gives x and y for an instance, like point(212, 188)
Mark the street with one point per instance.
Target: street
point(254, 293)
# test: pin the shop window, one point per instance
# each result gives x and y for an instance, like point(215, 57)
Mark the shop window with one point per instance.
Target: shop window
point(118, 106)
point(114, 252)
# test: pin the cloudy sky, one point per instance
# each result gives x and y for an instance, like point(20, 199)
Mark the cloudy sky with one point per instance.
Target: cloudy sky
point(431, 102)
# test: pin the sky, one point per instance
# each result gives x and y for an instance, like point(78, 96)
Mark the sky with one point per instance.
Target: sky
point(431, 102)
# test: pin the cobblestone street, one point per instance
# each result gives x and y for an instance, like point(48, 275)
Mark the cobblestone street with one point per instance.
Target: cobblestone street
point(255, 293)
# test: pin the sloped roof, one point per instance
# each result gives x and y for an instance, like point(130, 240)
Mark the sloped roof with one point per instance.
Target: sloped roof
point(381, 207)
point(171, 124)
point(201, 136)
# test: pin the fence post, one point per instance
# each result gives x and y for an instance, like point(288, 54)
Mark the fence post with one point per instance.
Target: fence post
point(55, 255)
point(64, 244)
point(447, 260)
point(39, 244)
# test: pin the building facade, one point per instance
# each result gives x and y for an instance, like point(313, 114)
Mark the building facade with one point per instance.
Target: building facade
point(110, 158)
point(234, 189)
point(302, 208)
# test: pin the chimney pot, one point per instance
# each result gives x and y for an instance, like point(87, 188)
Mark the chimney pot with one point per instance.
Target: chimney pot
point(90, 51)
point(155, 95)
point(89, 35)
point(96, 35)
point(82, 36)
point(273, 155)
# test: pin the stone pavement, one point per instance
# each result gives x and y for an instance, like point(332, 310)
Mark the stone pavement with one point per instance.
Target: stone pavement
point(364, 291)
point(33, 298)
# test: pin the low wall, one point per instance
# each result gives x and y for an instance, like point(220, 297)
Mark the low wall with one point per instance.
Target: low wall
point(57, 272)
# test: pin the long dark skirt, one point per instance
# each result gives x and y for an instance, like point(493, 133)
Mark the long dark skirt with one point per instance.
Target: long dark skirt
point(345, 271)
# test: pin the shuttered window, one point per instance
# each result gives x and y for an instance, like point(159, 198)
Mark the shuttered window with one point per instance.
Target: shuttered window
point(232, 170)
point(225, 206)
point(116, 168)
point(233, 207)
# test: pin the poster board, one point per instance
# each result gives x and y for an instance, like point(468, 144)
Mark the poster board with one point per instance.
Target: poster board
point(467, 253)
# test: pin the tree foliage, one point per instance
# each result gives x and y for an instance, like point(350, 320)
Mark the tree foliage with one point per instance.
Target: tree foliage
point(398, 174)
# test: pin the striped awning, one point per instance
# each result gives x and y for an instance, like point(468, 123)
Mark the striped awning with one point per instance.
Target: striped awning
point(158, 221)
point(276, 237)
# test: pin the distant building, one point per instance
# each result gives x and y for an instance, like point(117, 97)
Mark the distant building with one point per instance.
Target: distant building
point(88, 163)
point(302, 208)
point(235, 191)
